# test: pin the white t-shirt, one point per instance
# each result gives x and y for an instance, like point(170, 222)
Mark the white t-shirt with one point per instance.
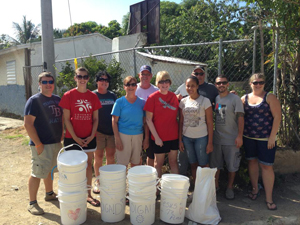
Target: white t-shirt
point(144, 93)
point(194, 124)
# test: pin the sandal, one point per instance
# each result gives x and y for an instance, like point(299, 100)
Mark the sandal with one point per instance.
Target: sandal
point(93, 202)
point(270, 204)
point(96, 190)
point(253, 196)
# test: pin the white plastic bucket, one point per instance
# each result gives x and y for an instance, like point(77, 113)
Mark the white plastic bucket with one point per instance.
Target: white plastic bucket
point(172, 206)
point(112, 205)
point(175, 181)
point(73, 213)
point(113, 186)
point(79, 187)
point(112, 172)
point(71, 160)
point(142, 211)
point(71, 178)
point(142, 174)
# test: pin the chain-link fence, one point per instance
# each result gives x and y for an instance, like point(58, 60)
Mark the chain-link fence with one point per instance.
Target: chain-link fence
point(237, 59)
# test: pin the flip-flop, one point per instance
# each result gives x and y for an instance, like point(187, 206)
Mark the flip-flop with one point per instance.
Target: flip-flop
point(94, 202)
point(253, 196)
point(269, 204)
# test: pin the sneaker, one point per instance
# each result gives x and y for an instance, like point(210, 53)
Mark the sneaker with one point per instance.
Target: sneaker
point(35, 209)
point(50, 197)
point(229, 194)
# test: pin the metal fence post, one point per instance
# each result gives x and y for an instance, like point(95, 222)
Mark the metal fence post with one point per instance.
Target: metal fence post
point(134, 61)
point(276, 60)
point(254, 50)
point(220, 57)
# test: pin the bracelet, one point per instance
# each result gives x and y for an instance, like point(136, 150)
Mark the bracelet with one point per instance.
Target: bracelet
point(38, 145)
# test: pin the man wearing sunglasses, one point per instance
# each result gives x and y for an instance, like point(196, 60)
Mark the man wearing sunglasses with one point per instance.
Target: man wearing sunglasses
point(43, 123)
point(205, 89)
point(144, 89)
point(228, 135)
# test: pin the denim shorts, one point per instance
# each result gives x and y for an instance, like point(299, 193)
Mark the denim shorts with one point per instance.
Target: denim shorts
point(196, 150)
point(256, 149)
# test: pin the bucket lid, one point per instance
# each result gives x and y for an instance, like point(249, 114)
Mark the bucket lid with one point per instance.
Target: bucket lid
point(72, 158)
point(174, 177)
point(142, 170)
point(112, 168)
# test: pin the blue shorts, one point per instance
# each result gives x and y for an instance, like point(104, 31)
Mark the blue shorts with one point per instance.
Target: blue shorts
point(196, 150)
point(255, 149)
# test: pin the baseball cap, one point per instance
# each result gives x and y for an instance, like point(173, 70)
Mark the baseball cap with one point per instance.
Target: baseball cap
point(199, 67)
point(145, 67)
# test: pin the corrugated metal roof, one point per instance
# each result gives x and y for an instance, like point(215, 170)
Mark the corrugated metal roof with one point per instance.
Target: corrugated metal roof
point(172, 59)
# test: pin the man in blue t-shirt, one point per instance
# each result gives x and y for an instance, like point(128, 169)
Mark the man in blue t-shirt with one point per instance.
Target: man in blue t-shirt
point(43, 123)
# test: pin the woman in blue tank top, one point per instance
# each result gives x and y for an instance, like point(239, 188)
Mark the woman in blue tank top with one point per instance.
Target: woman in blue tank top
point(262, 120)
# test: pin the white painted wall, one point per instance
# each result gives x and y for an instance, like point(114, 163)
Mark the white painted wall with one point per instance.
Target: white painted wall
point(19, 56)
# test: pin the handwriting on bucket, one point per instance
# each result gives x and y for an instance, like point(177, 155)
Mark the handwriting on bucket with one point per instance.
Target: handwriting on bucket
point(115, 209)
point(173, 210)
point(142, 208)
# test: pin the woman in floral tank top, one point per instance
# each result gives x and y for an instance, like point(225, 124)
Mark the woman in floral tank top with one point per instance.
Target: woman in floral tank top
point(262, 120)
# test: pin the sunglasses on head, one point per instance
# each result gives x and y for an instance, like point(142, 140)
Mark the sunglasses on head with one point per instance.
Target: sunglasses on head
point(258, 82)
point(222, 82)
point(85, 77)
point(200, 74)
point(167, 81)
point(103, 80)
point(47, 82)
point(132, 85)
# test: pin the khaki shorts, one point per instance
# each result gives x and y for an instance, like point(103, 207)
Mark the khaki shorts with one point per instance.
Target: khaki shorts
point(105, 141)
point(42, 165)
point(132, 148)
point(228, 153)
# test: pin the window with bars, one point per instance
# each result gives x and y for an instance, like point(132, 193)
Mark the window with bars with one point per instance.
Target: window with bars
point(11, 72)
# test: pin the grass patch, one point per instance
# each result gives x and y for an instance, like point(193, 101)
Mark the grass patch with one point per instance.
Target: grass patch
point(14, 136)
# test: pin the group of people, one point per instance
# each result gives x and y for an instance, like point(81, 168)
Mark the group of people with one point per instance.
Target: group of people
point(146, 119)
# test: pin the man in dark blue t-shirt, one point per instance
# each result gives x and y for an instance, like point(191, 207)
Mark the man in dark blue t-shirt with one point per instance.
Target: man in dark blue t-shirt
point(44, 125)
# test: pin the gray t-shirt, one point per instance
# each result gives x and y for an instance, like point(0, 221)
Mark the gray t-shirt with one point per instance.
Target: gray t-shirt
point(144, 93)
point(226, 127)
point(207, 90)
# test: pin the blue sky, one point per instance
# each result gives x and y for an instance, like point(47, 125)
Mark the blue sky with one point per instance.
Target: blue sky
point(100, 11)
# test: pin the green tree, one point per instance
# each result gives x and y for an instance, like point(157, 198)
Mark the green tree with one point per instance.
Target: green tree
point(66, 81)
point(4, 42)
point(125, 24)
point(58, 33)
point(25, 32)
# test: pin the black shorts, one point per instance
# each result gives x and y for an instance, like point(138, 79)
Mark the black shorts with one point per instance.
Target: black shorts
point(167, 146)
point(92, 146)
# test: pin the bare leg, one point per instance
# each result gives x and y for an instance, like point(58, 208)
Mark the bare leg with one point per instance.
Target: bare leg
point(254, 174)
point(48, 183)
point(158, 163)
point(110, 156)
point(98, 154)
point(33, 186)
point(150, 162)
point(268, 180)
point(89, 171)
point(194, 167)
point(173, 161)
point(231, 176)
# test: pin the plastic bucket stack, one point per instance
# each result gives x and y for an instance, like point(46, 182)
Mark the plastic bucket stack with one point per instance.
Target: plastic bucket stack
point(142, 182)
point(72, 186)
point(112, 192)
point(174, 189)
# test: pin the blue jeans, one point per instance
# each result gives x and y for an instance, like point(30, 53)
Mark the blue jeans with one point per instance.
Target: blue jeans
point(196, 150)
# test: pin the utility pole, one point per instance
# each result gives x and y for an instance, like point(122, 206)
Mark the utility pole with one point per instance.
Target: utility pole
point(48, 58)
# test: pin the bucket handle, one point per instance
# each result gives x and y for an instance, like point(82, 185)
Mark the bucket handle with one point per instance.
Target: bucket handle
point(159, 188)
point(70, 194)
point(130, 199)
point(102, 190)
point(142, 188)
point(60, 151)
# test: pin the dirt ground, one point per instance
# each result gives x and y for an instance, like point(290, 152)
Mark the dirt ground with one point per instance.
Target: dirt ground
point(15, 167)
